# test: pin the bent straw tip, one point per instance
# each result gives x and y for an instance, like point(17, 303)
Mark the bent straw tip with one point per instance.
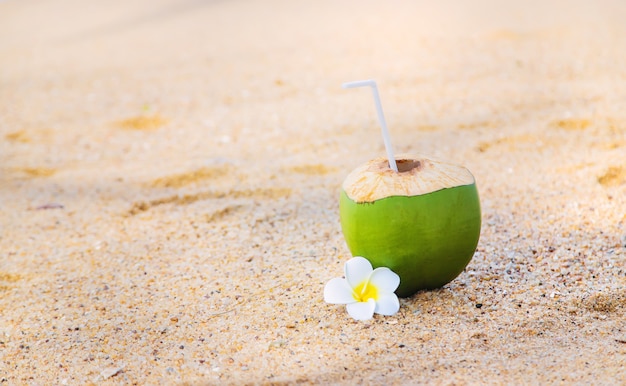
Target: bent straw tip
point(359, 83)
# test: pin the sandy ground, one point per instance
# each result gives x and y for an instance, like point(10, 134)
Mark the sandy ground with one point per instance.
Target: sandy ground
point(170, 171)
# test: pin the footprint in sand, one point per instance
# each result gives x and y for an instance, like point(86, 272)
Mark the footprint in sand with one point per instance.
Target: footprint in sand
point(142, 122)
point(187, 178)
point(614, 176)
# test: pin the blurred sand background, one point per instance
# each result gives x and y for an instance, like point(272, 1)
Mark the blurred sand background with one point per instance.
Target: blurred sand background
point(170, 170)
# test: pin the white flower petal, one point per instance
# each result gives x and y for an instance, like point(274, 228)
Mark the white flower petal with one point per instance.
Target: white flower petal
point(362, 310)
point(385, 280)
point(338, 291)
point(357, 270)
point(387, 304)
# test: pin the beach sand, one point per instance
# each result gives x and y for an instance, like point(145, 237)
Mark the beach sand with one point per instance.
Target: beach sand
point(170, 174)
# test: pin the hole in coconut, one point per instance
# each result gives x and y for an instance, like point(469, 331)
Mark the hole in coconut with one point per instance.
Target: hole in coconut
point(406, 165)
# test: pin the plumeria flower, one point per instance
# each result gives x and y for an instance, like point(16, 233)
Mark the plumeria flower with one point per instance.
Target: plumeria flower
point(364, 290)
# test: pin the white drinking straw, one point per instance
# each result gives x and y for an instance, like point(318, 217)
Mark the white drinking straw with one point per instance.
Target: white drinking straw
point(381, 117)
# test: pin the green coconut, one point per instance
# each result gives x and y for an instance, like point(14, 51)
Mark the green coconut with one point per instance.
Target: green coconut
point(422, 222)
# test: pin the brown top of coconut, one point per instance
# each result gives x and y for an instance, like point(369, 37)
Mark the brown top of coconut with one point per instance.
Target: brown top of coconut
point(416, 175)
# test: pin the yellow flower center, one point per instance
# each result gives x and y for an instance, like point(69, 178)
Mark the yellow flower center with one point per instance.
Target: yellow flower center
point(365, 291)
